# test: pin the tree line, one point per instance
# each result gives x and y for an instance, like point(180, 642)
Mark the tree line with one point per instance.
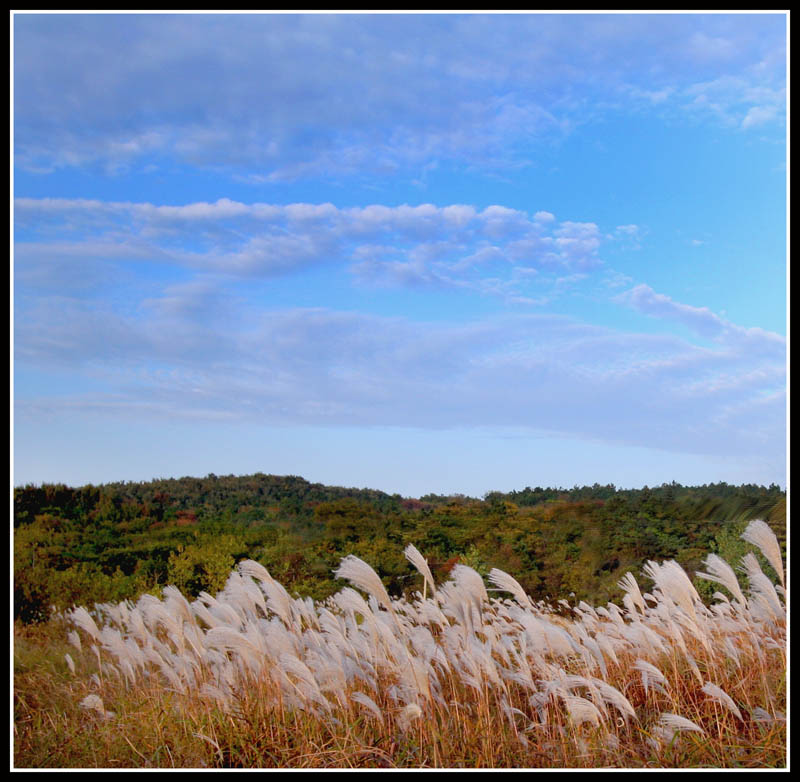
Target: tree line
point(115, 541)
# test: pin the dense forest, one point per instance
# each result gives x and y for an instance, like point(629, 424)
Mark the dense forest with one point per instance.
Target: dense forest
point(115, 541)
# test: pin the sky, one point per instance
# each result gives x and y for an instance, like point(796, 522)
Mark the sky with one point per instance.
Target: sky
point(449, 253)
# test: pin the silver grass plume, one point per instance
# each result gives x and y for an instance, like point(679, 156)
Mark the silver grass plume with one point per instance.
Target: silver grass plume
point(760, 535)
point(83, 619)
point(720, 696)
point(349, 600)
point(409, 712)
point(508, 583)
point(421, 564)
point(628, 584)
point(291, 664)
point(651, 676)
point(470, 583)
point(245, 595)
point(720, 572)
point(229, 640)
point(249, 567)
point(669, 724)
point(74, 639)
point(613, 696)
point(677, 722)
point(762, 589)
point(221, 612)
point(279, 601)
point(177, 604)
point(360, 574)
point(365, 700)
point(94, 702)
point(762, 715)
point(673, 583)
point(582, 710)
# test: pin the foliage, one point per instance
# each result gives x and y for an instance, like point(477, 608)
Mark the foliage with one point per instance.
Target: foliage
point(115, 541)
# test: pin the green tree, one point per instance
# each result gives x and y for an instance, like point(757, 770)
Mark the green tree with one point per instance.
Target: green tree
point(203, 566)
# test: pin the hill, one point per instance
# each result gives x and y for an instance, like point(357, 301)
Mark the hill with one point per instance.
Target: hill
point(118, 540)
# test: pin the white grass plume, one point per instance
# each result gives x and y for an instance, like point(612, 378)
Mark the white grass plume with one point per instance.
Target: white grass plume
point(74, 639)
point(673, 584)
point(279, 601)
point(720, 696)
point(176, 604)
point(720, 572)
point(249, 567)
point(759, 534)
point(582, 710)
point(94, 702)
point(229, 640)
point(364, 700)
point(348, 599)
point(669, 724)
point(629, 585)
point(398, 665)
point(651, 676)
point(611, 695)
point(421, 564)
point(360, 574)
point(679, 723)
point(508, 583)
point(761, 715)
point(470, 584)
point(407, 714)
point(762, 590)
point(83, 619)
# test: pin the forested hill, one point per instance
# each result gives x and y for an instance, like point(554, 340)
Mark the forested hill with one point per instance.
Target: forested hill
point(117, 540)
point(236, 499)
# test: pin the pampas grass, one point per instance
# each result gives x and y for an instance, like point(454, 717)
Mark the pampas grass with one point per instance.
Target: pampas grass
point(360, 574)
point(421, 564)
point(252, 677)
point(760, 535)
point(721, 572)
point(720, 696)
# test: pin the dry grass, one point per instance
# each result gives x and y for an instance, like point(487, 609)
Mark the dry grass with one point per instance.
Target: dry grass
point(453, 679)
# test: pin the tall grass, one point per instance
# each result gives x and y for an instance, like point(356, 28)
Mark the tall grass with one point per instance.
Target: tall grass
point(455, 677)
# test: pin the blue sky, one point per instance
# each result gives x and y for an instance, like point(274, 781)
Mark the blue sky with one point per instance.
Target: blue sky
point(415, 252)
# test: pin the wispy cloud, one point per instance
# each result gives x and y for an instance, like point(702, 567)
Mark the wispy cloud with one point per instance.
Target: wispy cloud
point(541, 373)
point(228, 355)
point(425, 245)
point(704, 322)
point(284, 97)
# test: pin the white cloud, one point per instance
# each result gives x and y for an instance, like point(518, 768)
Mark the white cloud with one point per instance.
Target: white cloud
point(759, 115)
point(706, 47)
point(737, 100)
point(454, 245)
point(208, 347)
point(654, 97)
point(281, 97)
point(578, 244)
point(318, 366)
point(705, 323)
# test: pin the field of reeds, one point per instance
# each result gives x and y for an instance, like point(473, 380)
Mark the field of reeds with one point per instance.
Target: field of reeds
point(464, 675)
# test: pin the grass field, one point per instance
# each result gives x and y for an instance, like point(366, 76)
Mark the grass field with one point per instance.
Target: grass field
point(460, 677)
